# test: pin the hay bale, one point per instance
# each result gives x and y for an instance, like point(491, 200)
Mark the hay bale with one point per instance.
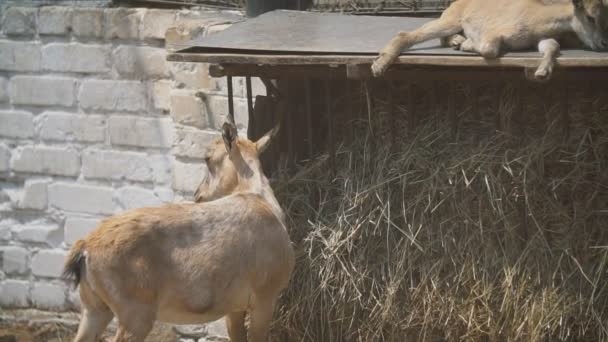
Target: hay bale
point(490, 238)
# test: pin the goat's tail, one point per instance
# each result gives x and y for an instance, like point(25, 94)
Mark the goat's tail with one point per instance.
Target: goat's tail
point(74, 265)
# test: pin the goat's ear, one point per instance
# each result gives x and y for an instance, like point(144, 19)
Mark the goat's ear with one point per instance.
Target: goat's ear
point(264, 141)
point(578, 3)
point(229, 134)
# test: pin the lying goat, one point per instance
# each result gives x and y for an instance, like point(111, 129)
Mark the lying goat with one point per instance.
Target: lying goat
point(492, 27)
point(190, 263)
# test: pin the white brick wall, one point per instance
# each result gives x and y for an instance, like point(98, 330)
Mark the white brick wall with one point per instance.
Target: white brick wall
point(94, 121)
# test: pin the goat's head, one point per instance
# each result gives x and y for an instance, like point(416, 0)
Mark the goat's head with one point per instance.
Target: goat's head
point(233, 162)
point(591, 22)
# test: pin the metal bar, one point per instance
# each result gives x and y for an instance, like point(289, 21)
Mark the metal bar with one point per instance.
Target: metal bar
point(475, 103)
point(251, 123)
point(349, 112)
point(497, 117)
point(308, 117)
point(330, 128)
point(230, 99)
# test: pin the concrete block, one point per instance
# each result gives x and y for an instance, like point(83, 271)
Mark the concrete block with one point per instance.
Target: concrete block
point(133, 131)
point(218, 111)
point(156, 23)
point(77, 228)
point(192, 143)
point(42, 90)
point(193, 76)
point(5, 157)
point(188, 109)
point(19, 56)
point(14, 259)
point(49, 263)
point(54, 20)
point(81, 198)
point(20, 21)
point(14, 293)
point(47, 160)
point(113, 95)
point(140, 62)
point(59, 126)
point(87, 22)
point(162, 165)
point(34, 194)
point(75, 57)
point(48, 296)
point(16, 124)
point(4, 95)
point(188, 176)
point(130, 197)
point(49, 234)
point(161, 93)
point(115, 165)
point(122, 23)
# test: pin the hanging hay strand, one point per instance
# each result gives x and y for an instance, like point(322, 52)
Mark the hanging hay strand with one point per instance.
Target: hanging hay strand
point(485, 239)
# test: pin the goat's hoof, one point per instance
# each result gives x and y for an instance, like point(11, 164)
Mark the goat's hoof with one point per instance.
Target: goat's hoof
point(379, 66)
point(540, 75)
point(456, 41)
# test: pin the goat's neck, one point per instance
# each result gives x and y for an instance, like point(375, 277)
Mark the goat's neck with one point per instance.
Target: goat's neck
point(254, 181)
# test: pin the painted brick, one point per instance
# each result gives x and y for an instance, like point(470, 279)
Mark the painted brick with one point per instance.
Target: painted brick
point(6, 225)
point(162, 166)
point(74, 57)
point(42, 91)
point(49, 234)
point(192, 143)
point(81, 198)
point(122, 23)
point(116, 165)
point(34, 194)
point(192, 76)
point(156, 23)
point(113, 95)
point(218, 111)
point(133, 197)
point(77, 228)
point(187, 176)
point(87, 22)
point(16, 124)
point(5, 157)
point(14, 293)
point(14, 259)
point(177, 36)
point(47, 160)
point(188, 109)
point(48, 296)
point(60, 126)
point(165, 195)
point(140, 61)
point(161, 94)
point(48, 263)
point(54, 20)
point(20, 21)
point(19, 56)
point(134, 131)
point(3, 89)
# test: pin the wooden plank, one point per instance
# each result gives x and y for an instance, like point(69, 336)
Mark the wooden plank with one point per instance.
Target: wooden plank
point(437, 60)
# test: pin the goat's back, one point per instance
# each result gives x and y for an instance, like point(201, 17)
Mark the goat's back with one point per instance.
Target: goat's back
point(196, 261)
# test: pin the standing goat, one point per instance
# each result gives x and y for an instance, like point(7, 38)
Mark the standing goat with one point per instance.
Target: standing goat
point(190, 263)
point(492, 27)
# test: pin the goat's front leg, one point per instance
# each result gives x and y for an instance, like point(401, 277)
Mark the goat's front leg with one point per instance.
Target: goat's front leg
point(550, 50)
point(442, 27)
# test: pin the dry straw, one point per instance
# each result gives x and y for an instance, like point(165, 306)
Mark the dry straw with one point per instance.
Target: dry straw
point(487, 239)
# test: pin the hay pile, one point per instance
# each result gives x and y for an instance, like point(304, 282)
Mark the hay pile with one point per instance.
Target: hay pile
point(491, 238)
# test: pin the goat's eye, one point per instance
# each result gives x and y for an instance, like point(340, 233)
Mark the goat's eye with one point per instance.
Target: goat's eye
point(207, 159)
point(591, 19)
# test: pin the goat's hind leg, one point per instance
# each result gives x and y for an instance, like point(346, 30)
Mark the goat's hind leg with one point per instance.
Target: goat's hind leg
point(96, 315)
point(447, 25)
point(235, 324)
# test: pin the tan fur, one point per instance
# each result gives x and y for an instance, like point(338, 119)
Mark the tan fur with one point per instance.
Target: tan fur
point(491, 28)
point(191, 263)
